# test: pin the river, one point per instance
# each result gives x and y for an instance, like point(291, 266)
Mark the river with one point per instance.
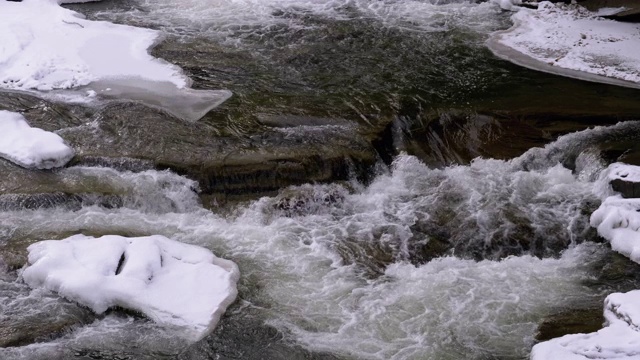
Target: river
point(470, 231)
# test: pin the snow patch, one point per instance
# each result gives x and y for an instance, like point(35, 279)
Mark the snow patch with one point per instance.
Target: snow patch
point(170, 282)
point(45, 47)
point(623, 172)
point(50, 49)
point(569, 37)
point(31, 147)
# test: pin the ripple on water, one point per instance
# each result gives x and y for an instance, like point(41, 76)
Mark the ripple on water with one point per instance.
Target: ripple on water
point(331, 265)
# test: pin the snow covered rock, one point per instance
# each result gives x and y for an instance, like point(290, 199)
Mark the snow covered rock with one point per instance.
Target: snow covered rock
point(618, 221)
point(620, 339)
point(625, 179)
point(44, 47)
point(624, 308)
point(54, 51)
point(569, 40)
point(170, 282)
point(31, 147)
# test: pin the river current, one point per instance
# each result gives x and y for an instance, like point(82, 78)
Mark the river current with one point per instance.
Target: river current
point(345, 270)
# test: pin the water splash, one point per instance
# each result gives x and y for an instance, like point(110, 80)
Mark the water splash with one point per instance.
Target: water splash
point(344, 267)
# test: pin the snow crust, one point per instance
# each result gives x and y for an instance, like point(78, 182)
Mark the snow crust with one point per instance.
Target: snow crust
point(618, 221)
point(31, 147)
point(62, 56)
point(570, 37)
point(623, 172)
point(170, 282)
point(615, 341)
point(44, 47)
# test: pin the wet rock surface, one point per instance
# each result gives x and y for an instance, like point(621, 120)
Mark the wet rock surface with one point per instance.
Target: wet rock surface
point(570, 322)
point(135, 137)
point(291, 125)
point(628, 189)
point(263, 161)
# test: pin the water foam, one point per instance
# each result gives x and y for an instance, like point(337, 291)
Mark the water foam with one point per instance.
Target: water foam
point(335, 266)
point(238, 19)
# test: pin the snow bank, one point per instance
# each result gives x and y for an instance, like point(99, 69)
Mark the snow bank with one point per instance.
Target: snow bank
point(618, 221)
point(623, 172)
point(571, 41)
point(31, 147)
point(170, 282)
point(50, 49)
point(44, 46)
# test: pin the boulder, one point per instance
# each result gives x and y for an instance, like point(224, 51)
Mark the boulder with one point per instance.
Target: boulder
point(172, 283)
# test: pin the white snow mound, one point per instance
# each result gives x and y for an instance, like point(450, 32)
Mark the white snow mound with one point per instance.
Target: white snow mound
point(31, 147)
point(170, 282)
point(44, 47)
point(618, 219)
point(623, 172)
point(569, 37)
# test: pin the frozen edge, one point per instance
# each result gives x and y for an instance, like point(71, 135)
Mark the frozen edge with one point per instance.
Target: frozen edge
point(184, 103)
point(514, 56)
point(173, 94)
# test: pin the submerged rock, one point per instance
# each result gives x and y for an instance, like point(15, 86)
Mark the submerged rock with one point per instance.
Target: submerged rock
point(243, 334)
point(224, 163)
point(625, 180)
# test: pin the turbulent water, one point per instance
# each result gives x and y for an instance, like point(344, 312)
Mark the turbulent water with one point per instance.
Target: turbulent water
point(422, 263)
point(339, 267)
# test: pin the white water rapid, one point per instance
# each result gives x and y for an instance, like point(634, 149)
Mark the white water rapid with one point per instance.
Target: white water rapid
point(337, 271)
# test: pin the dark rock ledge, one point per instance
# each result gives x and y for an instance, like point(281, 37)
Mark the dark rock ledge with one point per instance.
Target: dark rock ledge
point(130, 136)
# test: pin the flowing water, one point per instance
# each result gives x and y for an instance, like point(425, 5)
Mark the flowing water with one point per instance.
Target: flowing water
point(423, 262)
point(339, 268)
